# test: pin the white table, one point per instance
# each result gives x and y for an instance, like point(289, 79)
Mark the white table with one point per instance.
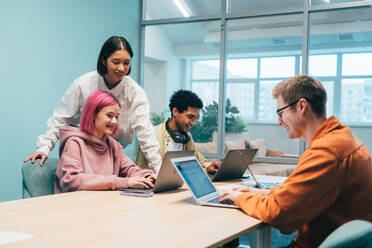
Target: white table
point(107, 219)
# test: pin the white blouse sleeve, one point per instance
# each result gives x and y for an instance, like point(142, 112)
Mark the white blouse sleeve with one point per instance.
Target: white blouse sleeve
point(140, 122)
point(63, 115)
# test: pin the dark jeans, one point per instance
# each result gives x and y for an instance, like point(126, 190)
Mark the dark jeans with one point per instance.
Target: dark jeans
point(232, 244)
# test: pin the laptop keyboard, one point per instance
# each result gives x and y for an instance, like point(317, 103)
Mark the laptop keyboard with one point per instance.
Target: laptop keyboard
point(215, 200)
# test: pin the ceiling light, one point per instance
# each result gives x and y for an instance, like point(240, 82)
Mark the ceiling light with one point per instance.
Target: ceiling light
point(183, 8)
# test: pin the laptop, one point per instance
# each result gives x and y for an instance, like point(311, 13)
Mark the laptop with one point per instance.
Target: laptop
point(168, 178)
point(259, 184)
point(234, 165)
point(198, 182)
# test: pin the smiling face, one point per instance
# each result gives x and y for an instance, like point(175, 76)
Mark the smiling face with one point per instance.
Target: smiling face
point(118, 65)
point(186, 120)
point(290, 119)
point(106, 120)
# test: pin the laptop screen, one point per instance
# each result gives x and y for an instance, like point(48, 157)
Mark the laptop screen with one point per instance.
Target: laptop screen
point(195, 177)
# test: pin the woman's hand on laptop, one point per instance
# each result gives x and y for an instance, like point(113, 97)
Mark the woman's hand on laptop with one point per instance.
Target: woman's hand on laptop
point(213, 167)
point(140, 182)
point(253, 190)
point(153, 177)
point(230, 195)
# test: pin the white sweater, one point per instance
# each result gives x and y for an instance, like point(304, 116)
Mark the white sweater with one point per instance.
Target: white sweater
point(134, 114)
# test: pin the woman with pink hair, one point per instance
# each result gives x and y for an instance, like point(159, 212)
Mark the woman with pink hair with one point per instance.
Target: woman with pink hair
point(90, 159)
point(112, 75)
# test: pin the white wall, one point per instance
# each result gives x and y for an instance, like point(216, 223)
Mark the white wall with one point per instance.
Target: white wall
point(174, 81)
point(155, 76)
point(44, 46)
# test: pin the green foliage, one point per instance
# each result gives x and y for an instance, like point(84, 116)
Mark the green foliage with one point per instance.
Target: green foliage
point(203, 130)
point(156, 119)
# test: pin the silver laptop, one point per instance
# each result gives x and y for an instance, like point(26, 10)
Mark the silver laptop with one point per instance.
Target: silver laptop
point(199, 183)
point(259, 184)
point(168, 178)
point(234, 165)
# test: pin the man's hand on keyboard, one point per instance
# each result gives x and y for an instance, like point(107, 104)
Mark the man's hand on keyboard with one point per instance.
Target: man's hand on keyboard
point(229, 195)
point(229, 202)
point(253, 190)
point(232, 194)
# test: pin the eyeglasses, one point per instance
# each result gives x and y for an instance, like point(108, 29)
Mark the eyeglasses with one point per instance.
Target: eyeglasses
point(280, 111)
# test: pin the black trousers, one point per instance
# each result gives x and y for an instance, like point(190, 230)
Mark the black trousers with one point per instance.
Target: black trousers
point(232, 244)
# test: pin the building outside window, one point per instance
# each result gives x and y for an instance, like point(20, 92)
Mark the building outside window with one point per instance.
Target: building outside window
point(261, 43)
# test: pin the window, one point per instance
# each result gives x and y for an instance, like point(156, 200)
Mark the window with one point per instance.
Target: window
point(357, 64)
point(323, 65)
point(329, 86)
point(279, 67)
point(241, 68)
point(242, 96)
point(206, 69)
point(267, 104)
point(341, 59)
point(356, 104)
point(264, 45)
point(205, 75)
point(249, 86)
point(242, 75)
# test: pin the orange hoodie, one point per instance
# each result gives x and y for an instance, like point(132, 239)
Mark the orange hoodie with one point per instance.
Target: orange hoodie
point(331, 185)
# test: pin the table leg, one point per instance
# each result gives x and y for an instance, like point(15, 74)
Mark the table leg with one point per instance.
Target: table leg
point(261, 237)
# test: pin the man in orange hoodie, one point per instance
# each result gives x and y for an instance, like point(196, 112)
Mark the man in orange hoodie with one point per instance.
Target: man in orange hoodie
point(332, 183)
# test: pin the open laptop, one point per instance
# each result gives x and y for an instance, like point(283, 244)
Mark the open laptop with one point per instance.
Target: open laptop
point(259, 184)
point(234, 165)
point(168, 178)
point(198, 182)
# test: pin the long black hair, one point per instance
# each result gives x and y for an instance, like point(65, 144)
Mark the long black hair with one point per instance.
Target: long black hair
point(110, 46)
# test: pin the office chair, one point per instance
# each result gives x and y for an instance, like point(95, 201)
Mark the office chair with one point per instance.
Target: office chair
point(353, 234)
point(38, 180)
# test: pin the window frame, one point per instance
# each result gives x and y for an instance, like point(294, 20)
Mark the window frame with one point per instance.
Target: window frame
point(223, 17)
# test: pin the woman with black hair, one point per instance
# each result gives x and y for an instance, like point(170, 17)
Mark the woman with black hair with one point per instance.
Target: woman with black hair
point(112, 75)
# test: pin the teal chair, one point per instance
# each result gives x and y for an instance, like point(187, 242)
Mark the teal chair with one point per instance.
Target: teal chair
point(39, 180)
point(353, 234)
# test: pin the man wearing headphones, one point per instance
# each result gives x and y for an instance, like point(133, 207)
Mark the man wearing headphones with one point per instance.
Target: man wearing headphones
point(173, 134)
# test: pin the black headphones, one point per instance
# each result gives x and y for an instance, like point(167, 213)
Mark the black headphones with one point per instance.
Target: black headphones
point(177, 136)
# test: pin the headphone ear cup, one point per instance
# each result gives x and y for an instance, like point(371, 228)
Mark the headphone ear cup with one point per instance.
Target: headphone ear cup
point(180, 137)
point(177, 136)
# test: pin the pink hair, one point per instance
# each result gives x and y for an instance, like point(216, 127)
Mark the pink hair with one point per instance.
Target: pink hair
point(95, 102)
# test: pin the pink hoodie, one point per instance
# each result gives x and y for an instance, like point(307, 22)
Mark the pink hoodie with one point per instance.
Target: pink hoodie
point(88, 163)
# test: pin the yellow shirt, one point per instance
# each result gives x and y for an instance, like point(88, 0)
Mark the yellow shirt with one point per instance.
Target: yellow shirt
point(331, 185)
point(163, 136)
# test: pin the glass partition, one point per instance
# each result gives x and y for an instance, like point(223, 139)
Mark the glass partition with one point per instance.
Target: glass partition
point(328, 2)
point(251, 6)
point(261, 52)
point(340, 49)
point(264, 44)
point(164, 9)
point(174, 61)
